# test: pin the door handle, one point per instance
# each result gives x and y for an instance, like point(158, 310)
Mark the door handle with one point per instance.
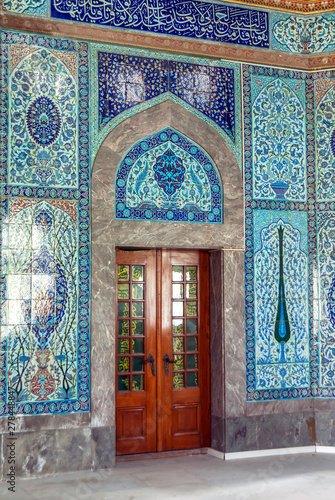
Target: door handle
point(151, 360)
point(167, 360)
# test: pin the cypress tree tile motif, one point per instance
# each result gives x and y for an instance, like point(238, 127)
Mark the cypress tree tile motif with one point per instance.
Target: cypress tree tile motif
point(281, 303)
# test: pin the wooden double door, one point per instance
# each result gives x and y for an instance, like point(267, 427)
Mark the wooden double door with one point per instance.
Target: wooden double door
point(162, 360)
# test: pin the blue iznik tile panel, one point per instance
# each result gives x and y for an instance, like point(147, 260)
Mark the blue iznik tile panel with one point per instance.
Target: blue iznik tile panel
point(278, 134)
point(326, 299)
point(27, 7)
point(281, 364)
point(168, 177)
point(126, 81)
point(325, 139)
point(45, 266)
point(201, 20)
point(280, 224)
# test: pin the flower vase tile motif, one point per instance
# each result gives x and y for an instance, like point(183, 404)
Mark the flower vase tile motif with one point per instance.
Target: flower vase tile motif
point(326, 301)
point(28, 7)
point(43, 119)
point(168, 177)
point(44, 224)
point(278, 135)
point(281, 302)
point(325, 140)
point(303, 34)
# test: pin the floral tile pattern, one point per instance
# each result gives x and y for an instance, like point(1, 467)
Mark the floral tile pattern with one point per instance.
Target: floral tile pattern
point(326, 298)
point(325, 142)
point(27, 7)
point(278, 119)
point(168, 177)
point(126, 81)
point(45, 267)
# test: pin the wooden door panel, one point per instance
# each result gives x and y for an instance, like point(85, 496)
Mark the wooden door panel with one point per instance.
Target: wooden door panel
point(168, 410)
point(184, 391)
point(136, 341)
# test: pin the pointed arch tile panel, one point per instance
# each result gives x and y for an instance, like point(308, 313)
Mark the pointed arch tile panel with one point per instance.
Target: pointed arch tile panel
point(168, 177)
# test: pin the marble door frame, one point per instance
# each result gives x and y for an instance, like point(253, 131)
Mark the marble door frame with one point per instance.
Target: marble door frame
point(226, 243)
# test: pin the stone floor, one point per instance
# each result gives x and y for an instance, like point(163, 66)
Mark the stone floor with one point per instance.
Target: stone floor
point(202, 477)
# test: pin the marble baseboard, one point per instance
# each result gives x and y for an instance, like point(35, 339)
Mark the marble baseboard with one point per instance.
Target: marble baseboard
point(217, 433)
point(54, 451)
point(270, 432)
point(325, 428)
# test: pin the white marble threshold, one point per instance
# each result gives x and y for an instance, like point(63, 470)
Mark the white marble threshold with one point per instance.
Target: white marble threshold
point(299, 450)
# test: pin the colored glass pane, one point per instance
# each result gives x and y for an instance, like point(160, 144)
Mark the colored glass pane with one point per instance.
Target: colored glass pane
point(137, 309)
point(138, 383)
point(191, 273)
point(191, 290)
point(123, 364)
point(138, 291)
point(178, 380)
point(191, 326)
point(192, 379)
point(191, 308)
point(123, 383)
point(123, 327)
point(178, 344)
point(191, 344)
point(177, 308)
point(177, 326)
point(137, 328)
point(178, 362)
point(123, 346)
point(123, 273)
point(138, 345)
point(137, 273)
point(137, 364)
point(177, 291)
point(123, 309)
point(123, 291)
point(192, 361)
point(177, 273)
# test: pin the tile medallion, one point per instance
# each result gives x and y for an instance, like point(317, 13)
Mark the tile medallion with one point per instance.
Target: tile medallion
point(45, 232)
point(168, 177)
point(127, 81)
point(195, 19)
